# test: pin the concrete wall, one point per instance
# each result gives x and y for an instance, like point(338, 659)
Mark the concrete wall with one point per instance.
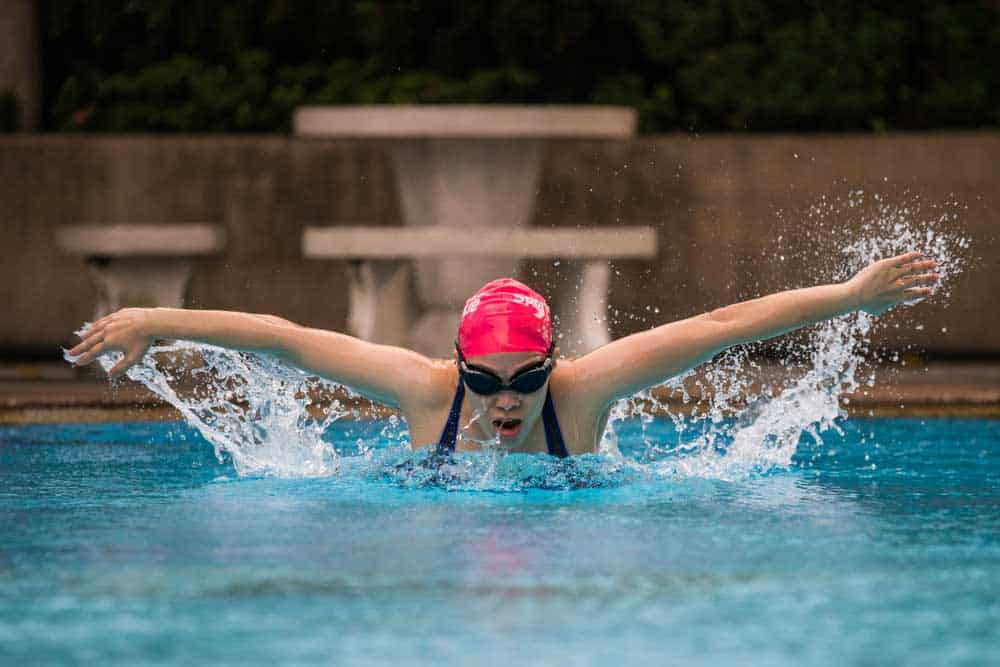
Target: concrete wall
point(720, 202)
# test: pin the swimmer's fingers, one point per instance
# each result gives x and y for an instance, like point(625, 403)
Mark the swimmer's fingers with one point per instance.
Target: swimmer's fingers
point(920, 266)
point(901, 260)
point(101, 325)
point(913, 292)
point(91, 353)
point(94, 329)
point(902, 288)
point(921, 279)
point(106, 339)
point(100, 331)
point(91, 338)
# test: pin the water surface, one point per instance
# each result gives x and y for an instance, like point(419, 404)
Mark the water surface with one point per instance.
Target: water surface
point(127, 544)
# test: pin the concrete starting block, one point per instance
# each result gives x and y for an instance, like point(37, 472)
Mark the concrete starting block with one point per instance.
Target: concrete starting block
point(140, 265)
point(381, 290)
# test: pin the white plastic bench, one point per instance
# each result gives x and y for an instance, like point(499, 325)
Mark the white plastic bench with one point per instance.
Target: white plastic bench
point(141, 264)
point(380, 291)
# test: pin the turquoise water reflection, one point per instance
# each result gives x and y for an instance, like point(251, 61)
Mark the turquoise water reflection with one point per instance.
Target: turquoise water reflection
point(132, 543)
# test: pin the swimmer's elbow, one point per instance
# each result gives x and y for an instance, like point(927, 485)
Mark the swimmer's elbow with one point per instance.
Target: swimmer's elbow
point(724, 316)
point(279, 321)
point(292, 346)
point(723, 327)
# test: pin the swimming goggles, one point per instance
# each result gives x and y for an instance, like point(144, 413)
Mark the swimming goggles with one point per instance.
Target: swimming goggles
point(485, 383)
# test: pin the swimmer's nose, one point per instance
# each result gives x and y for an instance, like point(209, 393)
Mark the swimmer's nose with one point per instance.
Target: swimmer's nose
point(508, 400)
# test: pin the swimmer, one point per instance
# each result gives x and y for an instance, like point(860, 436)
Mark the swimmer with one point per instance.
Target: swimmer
point(506, 384)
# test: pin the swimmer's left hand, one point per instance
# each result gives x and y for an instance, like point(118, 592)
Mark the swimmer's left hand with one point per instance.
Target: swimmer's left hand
point(889, 282)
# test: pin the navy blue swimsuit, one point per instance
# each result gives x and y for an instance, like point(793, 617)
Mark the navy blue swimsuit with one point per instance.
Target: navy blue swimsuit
point(553, 436)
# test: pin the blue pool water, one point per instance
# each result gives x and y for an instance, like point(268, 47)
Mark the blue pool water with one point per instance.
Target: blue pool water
point(126, 544)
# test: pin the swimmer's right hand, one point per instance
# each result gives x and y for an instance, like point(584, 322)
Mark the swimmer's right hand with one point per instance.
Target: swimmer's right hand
point(128, 331)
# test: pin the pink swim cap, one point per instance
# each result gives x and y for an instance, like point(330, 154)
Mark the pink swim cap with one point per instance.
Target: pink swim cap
point(505, 316)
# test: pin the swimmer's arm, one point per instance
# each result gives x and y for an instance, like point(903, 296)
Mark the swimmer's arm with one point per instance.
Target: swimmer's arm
point(274, 319)
point(630, 364)
point(380, 372)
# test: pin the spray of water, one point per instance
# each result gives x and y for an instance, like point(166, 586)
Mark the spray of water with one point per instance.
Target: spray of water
point(747, 425)
point(270, 419)
point(253, 409)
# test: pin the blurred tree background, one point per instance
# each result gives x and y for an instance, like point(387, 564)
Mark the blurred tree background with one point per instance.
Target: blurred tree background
point(757, 65)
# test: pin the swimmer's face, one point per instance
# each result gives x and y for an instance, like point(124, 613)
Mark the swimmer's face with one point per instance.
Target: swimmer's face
point(508, 415)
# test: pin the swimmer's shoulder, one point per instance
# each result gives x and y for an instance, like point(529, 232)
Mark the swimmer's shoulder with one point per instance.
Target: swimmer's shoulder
point(578, 405)
point(437, 387)
point(426, 404)
point(568, 378)
point(570, 386)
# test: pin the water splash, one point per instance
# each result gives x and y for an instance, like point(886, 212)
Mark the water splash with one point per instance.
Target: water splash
point(731, 419)
point(268, 418)
point(772, 415)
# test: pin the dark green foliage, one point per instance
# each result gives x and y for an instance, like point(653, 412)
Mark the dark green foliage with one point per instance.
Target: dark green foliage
point(8, 111)
point(189, 65)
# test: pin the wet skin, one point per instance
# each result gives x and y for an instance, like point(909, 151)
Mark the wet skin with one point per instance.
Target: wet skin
point(508, 419)
point(583, 389)
point(507, 416)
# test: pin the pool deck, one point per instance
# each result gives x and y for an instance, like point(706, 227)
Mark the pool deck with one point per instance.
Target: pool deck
point(52, 393)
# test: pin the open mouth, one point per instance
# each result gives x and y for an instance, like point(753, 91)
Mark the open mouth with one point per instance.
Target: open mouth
point(507, 427)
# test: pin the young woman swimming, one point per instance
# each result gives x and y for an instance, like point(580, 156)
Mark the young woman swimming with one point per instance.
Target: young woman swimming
point(505, 384)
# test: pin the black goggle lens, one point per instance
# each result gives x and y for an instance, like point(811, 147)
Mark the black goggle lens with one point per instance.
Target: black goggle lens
point(525, 382)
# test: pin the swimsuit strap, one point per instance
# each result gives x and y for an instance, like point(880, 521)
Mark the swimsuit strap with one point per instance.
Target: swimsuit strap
point(553, 435)
point(446, 443)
